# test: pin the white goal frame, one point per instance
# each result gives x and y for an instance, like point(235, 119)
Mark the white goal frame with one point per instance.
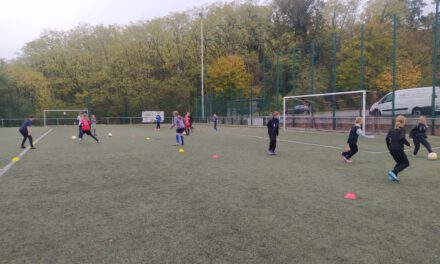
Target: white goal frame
point(58, 110)
point(364, 102)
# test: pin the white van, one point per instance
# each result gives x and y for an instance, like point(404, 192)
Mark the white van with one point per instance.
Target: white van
point(413, 101)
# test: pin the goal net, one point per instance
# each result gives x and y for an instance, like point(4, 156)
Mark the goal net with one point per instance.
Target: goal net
point(327, 111)
point(57, 117)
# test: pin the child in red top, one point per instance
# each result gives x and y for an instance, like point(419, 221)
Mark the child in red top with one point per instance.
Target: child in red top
point(187, 123)
point(86, 127)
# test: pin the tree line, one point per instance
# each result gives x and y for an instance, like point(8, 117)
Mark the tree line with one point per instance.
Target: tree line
point(120, 70)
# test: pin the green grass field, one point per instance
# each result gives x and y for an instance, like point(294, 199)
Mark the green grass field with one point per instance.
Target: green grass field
point(129, 200)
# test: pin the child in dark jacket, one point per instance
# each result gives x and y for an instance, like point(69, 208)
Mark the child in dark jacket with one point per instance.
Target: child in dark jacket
point(273, 130)
point(418, 134)
point(395, 140)
point(353, 136)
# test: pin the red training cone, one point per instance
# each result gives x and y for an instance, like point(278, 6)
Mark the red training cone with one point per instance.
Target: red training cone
point(350, 196)
point(215, 156)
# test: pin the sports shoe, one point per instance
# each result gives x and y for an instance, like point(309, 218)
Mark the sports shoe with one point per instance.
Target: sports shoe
point(23, 147)
point(33, 147)
point(346, 160)
point(270, 153)
point(343, 157)
point(393, 176)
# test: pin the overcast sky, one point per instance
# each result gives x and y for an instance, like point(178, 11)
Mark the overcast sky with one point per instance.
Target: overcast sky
point(23, 20)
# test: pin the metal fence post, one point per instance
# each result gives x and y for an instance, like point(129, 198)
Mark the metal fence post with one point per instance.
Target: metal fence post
point(394, 67)
point(434, 68)
point(334, 81)
point(277, 84)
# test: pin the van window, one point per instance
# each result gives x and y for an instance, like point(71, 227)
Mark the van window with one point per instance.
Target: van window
point(387, 98)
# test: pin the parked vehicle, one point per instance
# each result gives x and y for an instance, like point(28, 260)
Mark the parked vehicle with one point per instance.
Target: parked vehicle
point(413, 101)
point(299, 109)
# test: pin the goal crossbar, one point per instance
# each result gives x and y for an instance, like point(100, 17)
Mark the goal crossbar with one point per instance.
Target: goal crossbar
point(364, 98)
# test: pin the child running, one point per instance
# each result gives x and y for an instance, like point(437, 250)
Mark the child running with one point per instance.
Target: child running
point(418, 134)
point(215, 119)
point(93, 120)
point(85, 128)
point(355, 132)
point(187, 124)
point(178, 121)
point(395, 140)
point(158, 119)
point(273, 130)
point(25, 130)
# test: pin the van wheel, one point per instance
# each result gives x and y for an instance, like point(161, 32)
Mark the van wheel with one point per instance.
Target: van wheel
point(376, 113)
point(417, 112)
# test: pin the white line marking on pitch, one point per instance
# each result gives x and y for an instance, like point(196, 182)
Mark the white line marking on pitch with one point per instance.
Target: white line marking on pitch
point(7, 167)
point(323, 146)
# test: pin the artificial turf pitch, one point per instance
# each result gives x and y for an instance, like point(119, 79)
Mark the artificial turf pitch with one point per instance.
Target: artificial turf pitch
point(132, 200)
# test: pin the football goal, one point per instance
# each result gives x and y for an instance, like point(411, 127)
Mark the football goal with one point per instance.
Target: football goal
point(55, 117)
point(325, 111)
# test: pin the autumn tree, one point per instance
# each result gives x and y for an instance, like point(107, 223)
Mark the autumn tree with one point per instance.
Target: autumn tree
point(228, 75)
point(407, 75)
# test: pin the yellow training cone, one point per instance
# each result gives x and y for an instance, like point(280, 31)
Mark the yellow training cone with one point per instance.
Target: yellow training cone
point(181, 150)
point(15, 159)
point(147, 138)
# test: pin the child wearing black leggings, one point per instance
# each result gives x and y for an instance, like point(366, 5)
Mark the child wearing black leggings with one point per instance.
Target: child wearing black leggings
point(273, 130)
point(355, 132)
point(25, 131)
point(418, 134)
point(86, 126)
point(395, 140)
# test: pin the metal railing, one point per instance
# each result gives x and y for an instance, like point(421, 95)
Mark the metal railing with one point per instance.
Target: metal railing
point(373, 124)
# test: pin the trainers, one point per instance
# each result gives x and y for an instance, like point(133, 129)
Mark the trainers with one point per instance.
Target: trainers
point(270, 153)
point(23, 147)
point(393, 176)
point(346, 160)
point(343, 157)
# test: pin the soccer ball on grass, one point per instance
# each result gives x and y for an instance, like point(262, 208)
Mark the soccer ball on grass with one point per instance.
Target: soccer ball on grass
point(432, 156)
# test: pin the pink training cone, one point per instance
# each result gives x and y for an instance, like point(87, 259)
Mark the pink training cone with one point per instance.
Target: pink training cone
point(215, 156)
point(350, 196)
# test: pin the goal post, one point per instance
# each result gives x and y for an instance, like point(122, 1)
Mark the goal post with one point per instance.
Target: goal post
point(326, 105)
point(64, 112)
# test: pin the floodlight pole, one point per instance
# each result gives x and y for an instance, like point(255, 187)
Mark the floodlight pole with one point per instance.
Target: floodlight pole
point(202, 68)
